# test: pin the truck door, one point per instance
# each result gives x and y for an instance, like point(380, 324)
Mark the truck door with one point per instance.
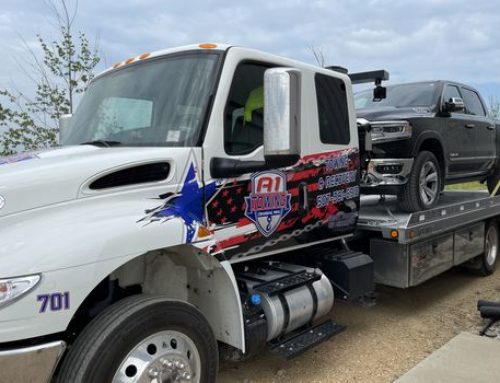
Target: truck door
point(484, 130)
point(457, 135)
point(275, 209)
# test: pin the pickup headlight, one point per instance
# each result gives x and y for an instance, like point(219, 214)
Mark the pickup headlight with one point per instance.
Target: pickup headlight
point(385, 131)
point(14, 288)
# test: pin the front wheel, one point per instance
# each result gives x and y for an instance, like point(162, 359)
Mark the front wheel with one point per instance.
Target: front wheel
point(144, 339)
point(421, 191)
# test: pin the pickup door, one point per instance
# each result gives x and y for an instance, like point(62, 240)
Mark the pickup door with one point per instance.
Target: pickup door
point(484, 148)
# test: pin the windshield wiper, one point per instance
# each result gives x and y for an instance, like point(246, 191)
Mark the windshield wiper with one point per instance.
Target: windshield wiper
point(102, 143)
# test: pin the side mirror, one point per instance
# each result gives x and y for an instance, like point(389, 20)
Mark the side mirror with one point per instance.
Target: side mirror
point(454, 104)
point(282, 104)
point(64, 121)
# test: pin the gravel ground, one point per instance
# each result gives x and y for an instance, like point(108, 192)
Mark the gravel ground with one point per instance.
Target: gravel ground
point(384, 341)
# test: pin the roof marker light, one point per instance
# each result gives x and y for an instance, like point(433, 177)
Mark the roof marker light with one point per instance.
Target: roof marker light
point(128, 61)
point(144, 56)
point(116, 65)
point(208, 46)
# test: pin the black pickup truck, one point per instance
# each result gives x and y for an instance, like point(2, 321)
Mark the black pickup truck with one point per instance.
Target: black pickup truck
point(425, 135)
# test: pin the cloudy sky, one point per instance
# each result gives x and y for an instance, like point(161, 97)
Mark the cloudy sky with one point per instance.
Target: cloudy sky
point(415, 40)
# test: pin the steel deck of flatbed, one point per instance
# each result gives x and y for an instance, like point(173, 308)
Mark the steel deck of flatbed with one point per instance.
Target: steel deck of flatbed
point(455, 209)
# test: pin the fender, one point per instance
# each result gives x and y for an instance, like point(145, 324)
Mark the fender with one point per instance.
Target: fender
point(430, 134)
point(75, 245)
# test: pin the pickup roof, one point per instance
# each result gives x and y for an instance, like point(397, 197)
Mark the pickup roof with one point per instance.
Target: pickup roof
point(425, 135)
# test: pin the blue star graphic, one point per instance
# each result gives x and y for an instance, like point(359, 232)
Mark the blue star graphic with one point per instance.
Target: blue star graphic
point(188, 204)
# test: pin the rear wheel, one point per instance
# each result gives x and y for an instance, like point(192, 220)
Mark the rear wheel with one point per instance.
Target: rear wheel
point(424, 184)
point(489, 257)
point(144, 339)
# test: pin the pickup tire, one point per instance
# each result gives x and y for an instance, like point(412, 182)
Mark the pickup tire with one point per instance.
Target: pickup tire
point(142, 338)
point(421, 191)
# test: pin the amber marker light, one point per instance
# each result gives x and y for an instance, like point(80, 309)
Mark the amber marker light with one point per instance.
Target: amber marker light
point(394, 234)
point(116, 65)
point(208, 46)
point(128, 61)
point(144, 56)
point(203, 232)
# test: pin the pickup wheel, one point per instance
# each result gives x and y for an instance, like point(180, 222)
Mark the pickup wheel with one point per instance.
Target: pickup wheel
point(421, 191)
point(144, 339)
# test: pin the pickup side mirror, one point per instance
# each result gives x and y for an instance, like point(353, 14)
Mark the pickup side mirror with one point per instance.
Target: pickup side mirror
point(454, 104)
point(64, 121)
point(282, 103)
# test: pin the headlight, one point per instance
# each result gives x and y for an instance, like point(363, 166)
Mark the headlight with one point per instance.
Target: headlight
point(385, 131)
point(14, 288)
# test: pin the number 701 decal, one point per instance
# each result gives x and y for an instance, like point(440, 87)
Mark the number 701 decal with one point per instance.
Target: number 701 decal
point(53, 302)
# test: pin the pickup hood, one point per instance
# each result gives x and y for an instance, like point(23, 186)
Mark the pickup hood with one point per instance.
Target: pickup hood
point(393, 113)
point(33, 180)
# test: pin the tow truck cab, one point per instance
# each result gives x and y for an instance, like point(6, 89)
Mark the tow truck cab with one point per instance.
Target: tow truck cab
point(171, 180)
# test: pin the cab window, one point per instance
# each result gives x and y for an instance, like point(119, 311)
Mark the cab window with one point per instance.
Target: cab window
point(449, 92)
point(333, 114)
point(244, 112)
point(473, 103)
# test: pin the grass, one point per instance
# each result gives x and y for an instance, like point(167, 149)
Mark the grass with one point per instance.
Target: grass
point(467, 186)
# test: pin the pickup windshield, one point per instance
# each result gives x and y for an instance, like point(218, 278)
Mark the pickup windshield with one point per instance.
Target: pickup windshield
point(399, 96)
point(158, 102)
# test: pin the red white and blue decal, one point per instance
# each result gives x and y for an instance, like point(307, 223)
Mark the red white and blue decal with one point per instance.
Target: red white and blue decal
point(268, 202)
point(316, 199)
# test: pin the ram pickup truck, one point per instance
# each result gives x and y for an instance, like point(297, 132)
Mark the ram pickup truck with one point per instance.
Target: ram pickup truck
point(425, 135)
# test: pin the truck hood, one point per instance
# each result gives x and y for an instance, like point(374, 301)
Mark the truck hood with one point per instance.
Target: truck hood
point(393, 113)
point(33, 180)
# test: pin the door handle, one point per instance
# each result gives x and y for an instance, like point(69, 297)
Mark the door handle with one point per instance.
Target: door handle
point(470, 126)
point(303, 200)
point(490, 127)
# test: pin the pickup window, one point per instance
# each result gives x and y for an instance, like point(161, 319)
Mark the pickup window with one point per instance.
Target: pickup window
point(473, 103)
point(450, 91)
point(333, 114)
point(244, 113)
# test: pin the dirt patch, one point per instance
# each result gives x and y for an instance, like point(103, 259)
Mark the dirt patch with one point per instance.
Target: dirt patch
point(384, 341)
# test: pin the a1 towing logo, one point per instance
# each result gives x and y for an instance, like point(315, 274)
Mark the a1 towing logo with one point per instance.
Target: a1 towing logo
point(268, 202)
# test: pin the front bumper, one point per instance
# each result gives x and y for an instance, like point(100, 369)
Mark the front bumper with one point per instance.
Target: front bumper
point(34, 364)
point(387, 172)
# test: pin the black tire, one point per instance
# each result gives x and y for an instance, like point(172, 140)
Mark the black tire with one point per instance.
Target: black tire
point(410, 198)
point(493, 180)
point(488, 259)
point(106, 342)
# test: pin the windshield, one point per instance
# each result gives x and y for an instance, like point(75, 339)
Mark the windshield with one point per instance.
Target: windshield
point(399, 96)
point(159, 102)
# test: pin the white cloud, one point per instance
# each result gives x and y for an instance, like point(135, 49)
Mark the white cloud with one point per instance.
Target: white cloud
point(428, 39)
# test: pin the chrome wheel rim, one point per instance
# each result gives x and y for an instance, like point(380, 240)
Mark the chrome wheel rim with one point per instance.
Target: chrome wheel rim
point(164, 357)
point(491, 245)
point(428, 183)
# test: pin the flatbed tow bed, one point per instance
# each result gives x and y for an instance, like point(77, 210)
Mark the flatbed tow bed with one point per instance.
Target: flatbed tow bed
point(409, 248)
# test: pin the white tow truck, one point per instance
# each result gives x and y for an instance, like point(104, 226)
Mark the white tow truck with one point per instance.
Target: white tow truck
point(178, 223)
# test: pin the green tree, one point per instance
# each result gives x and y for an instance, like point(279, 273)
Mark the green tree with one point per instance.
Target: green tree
point(61, 73)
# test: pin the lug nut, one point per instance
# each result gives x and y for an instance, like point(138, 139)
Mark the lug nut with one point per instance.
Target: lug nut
point(167, 363)
point(153, 373)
